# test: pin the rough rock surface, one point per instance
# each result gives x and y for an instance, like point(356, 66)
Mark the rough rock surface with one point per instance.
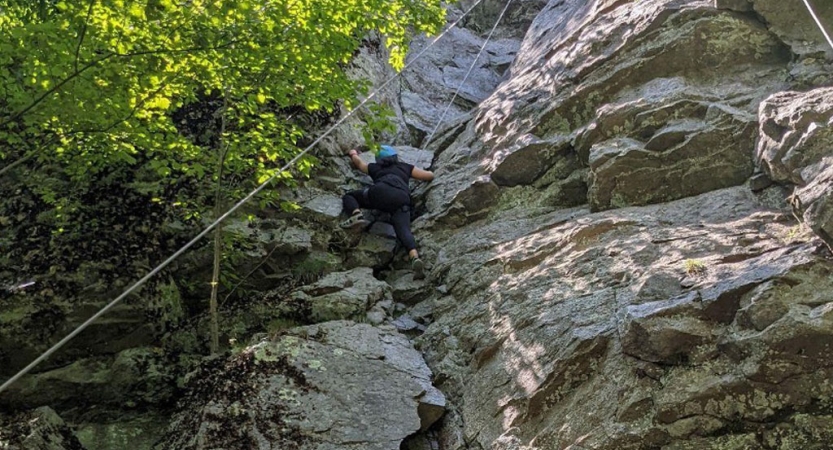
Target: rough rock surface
point(436, 76)
point(659, 102)
point(634, 328)
point(796, 147)
point(136, 430)
point(335, 385)
point(339, 295)
point(140, 375)
point(27, 327)
point(795, 26)
point(39, 429)
point(611, 280)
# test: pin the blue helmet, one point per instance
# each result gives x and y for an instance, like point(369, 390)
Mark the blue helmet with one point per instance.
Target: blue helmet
point(386, 155)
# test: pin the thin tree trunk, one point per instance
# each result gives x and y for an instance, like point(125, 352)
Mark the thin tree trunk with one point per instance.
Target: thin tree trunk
point(218, 235)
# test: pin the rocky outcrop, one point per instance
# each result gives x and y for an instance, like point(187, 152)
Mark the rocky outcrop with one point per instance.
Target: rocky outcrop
point(290, 249)
point(796, 147)
point(610, 279)
point(339, 295)
point(423, 97)
point(656, 326)
point(794, 26)
point(137, 376)
point(604, 272)
point(435, 77)
point(39, 429)
point(659, 102)
point(27, 327)
point(336, 385)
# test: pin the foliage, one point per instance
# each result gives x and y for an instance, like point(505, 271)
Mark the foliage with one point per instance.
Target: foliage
point(378, 122)
point(130, 92)
point(93, 83)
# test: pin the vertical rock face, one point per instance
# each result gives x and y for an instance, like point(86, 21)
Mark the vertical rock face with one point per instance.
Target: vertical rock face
point(794, 25)
point(796, 146)
point(640, 327)
point(610, 281)
point(658, 101)
point(385, 392)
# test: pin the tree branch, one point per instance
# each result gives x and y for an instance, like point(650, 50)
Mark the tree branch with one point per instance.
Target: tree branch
point(103, 58)
point(16, 163)
point(28, 155)
point(83, 32)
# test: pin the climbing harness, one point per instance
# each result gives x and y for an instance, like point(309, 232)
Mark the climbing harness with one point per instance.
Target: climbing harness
point(231, 211)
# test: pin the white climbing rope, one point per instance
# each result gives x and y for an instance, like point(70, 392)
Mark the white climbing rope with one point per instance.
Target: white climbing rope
point(818, 22)
point(466, 77)
point(217, 221)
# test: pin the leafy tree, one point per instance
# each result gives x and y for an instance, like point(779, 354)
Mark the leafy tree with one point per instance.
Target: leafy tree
point(123, 94)
point(93, 83)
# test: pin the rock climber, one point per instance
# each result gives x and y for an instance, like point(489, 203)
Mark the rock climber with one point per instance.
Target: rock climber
point(389, 193)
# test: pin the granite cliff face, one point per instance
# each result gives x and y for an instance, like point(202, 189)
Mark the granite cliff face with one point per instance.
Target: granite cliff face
point(628, 240)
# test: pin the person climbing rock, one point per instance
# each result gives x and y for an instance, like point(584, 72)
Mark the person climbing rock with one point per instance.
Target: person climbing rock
point(389, 193)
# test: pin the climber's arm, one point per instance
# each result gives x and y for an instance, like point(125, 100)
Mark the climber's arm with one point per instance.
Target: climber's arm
point(354, 157)
point(422, 175)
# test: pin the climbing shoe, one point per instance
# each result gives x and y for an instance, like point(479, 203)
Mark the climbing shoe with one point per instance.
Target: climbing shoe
point(418, 267)
point(354, 222)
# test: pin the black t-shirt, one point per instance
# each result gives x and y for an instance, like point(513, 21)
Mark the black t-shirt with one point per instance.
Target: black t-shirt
point(395, 175)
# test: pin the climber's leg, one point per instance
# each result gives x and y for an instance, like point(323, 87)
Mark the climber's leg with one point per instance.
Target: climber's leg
point(401, 220)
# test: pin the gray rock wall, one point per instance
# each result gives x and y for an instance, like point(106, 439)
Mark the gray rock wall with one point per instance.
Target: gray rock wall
point(796, 147)
point(610, 280)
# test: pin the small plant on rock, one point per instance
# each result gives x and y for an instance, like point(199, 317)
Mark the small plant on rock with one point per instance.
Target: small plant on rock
point(795, 234)
point(694, 267)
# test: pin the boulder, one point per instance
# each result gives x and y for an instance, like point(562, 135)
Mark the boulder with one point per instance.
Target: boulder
point(39, 429)
point(338, 295)
point(326, 386)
